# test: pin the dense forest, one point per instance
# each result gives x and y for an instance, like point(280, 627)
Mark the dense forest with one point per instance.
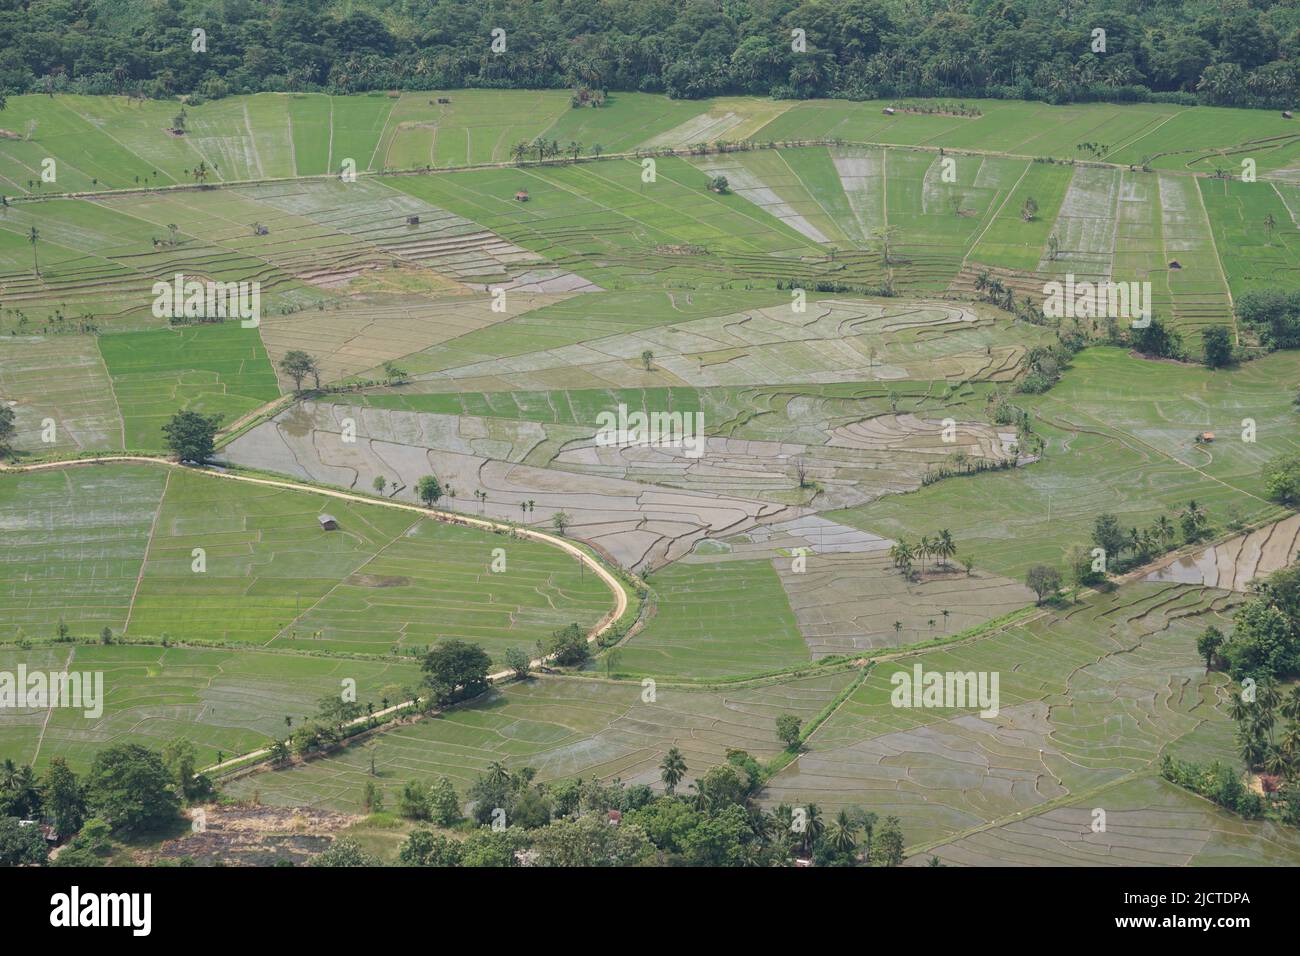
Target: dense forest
point(1235, 53)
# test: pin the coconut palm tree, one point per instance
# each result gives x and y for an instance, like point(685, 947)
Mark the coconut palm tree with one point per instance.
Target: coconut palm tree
point(924, 549)
point(33, 237)
point(813, 828)
point(945, 547)
point(672, 770)
point(1291, 706)
point(497, 775)
point(843, 833)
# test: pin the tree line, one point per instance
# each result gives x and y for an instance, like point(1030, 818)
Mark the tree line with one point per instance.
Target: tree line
point(860, 49)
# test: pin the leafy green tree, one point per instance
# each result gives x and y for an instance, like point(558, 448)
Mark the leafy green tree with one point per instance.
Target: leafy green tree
point(64, 800)
point(21, 845)
point(191, 436)
point(517, 660)
point(1282, 479)
point(444, 805)
point(887, 847)
point(426, 848)
point(128, 785)
point(8, 429)
point(297, 364)
point(788, 728)
point(1108, 535)
point(455, 671)
point(1043, 580)
point(1208, 644)
point(1216, 343)
point(345, 852)
point(569, 647)
point(428, 489)
point(413, 804)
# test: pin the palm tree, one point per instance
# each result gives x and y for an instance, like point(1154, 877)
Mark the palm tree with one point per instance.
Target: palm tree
point(814, 826)
point(1269, 225)
point(574, 148)
point(519, 151)
point(1165, 530)
point(945, 548)
point(1276, 762)
point(1238, 709)
point(34, 237)
point(1291, 706)
point(1251, 745)
point(898, 628)
point(497, 774)
point(672, 770)
point(924, 549)
point(844, 833)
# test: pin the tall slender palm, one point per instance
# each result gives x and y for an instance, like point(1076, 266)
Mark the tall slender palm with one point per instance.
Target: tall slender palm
point(672, 770)
point(813, 828)
point(843, 834)
point(497, 774)
point(945, 547)
point(1291, 706)
point(34, 237)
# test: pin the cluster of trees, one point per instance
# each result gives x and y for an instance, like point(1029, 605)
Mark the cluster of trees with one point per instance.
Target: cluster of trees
point(941, 547)
point(1268, 739)
point(1122, 548)
point(1265, 639)
point(512, 819)
point(1274, 314)
point(1239, 55)
point(128, 789)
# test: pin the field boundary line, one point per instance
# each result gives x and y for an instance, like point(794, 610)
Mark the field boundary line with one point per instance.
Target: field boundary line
point(49, 711)
point(1218, 260)
point(148, 546)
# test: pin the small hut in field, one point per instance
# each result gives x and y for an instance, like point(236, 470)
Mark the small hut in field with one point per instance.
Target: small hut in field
point(327, 522)
point(521, 195)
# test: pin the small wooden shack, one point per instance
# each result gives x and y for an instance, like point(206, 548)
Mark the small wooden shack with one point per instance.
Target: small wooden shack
point(522, 195)
point(412, 220)
point(1204, 438)
point(327, 522)
point(888, 111)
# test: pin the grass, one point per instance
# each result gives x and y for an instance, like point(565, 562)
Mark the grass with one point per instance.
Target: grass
point(564, 728)
point(223, 701)
point(714, 620)
point(219, 369)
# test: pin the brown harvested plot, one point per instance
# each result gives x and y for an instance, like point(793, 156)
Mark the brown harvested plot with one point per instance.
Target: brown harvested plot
point(361, 337)
point(834, 340)
point(846, 603)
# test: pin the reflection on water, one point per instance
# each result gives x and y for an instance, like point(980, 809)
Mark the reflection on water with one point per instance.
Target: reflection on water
point(1199, 568)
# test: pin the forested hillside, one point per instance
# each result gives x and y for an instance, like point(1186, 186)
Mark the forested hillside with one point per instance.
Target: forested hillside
point(1236, 53)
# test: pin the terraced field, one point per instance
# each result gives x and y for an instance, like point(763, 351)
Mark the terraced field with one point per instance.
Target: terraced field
point(818, 344)
point(562, 727)
point(1089, 699)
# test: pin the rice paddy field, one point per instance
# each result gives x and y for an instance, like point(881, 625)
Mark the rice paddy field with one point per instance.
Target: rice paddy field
point(816, 341)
